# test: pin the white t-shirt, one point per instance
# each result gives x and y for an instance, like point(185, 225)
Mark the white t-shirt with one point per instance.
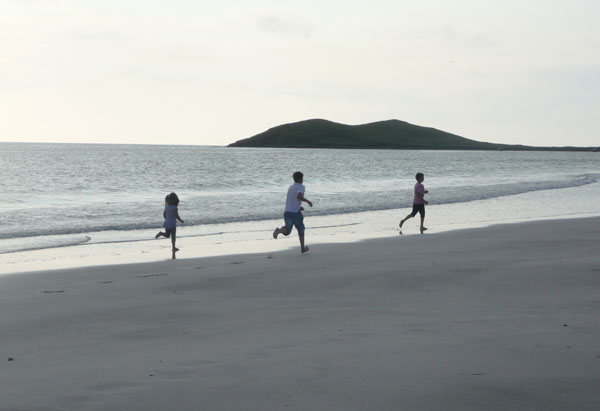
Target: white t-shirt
point(292, 203)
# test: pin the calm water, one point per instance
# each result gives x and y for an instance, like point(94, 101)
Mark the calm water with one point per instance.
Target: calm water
point(69, 193)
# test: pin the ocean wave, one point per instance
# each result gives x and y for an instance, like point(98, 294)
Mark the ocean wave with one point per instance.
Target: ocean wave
point(41, 243)
point(75, 230)
point(460, 194)
point(468, 193)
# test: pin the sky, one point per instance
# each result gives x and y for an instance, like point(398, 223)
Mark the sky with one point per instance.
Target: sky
point(213, 72)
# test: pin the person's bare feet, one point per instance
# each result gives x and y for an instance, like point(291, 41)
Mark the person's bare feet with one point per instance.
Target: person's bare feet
point(175, 249)
point(157, 235)
point(276, 233)
point(304, 250)
point(401, 223)
point(423, 229)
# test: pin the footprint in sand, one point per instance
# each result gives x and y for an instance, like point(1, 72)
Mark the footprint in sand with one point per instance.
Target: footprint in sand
point(52, 292)
point(106, 282)
point(151, 275)
point(237, 262)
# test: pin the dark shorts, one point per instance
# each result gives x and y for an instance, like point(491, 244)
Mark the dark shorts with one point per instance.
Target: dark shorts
point(294, 219)
point(418, 208)
point(169, 231)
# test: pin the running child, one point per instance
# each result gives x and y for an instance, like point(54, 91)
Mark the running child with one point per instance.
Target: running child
point(418, 201)
point(171, 215)
point(293, 210)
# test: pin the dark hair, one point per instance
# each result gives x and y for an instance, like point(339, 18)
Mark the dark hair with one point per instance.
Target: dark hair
point(172, 199)
point(419, 176)
point(298, 176)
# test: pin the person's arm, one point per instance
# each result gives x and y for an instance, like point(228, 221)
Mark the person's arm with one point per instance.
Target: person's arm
point(301, 197)
point(177, 216)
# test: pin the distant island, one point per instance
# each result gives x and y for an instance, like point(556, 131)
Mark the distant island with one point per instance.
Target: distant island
point(390, 134)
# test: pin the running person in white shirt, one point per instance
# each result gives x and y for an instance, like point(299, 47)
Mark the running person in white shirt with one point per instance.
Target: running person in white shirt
point(293, 210)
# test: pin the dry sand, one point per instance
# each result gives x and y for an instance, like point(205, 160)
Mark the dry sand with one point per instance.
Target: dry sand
point(498, 318)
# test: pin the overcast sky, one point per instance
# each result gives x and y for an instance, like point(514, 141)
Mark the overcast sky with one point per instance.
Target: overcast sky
point(213, 72)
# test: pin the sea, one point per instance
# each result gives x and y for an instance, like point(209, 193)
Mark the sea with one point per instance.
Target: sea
point(71, 204)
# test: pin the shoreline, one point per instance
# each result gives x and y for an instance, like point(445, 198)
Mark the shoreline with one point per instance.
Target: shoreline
point(500, 317)
point(65, 257)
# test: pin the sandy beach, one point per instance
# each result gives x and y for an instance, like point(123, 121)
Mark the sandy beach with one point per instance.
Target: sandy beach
point(498, 318)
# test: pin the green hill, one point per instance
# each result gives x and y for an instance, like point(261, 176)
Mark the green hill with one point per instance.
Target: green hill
point(390, 134)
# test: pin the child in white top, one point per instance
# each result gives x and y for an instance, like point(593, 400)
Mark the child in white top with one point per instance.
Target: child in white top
point(292, 215)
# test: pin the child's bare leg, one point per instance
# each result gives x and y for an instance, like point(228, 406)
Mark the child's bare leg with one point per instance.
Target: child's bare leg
point(281, 230)
point(423, 228)
point(160, 234)
point(175, 249)
point(303, 248)
point(405, 218)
